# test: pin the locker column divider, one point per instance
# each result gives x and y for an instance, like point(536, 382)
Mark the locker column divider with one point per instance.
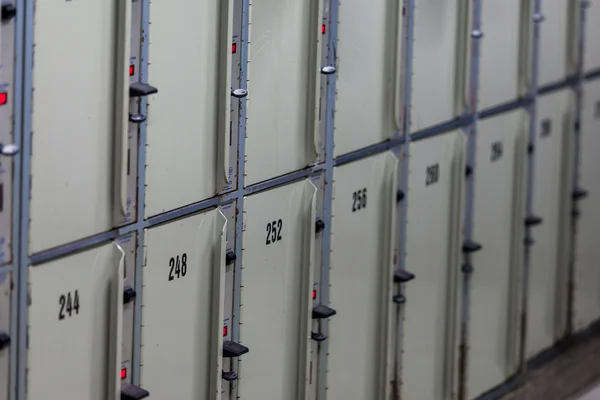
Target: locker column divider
point(471, 132)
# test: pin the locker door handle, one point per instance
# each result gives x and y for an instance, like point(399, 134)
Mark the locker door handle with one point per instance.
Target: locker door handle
point(4, 340)
point(470, 246)
point(403, 276)
point(229, 376)
point(321, 311)
point(533, 220)
point(580, 194)
point(318, 336)
point(9, 11)
point(140, 89)
point(132, 392)
point(233, 349)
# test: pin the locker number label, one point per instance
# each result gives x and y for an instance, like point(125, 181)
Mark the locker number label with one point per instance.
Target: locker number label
point(359, 200)
point(432, 174)
point(497, 151)
point(177, 267)
point(274, 231)
point(68, 303)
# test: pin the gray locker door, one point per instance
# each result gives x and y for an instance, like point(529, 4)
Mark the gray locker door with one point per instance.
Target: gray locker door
point(283, 73)
point(546, 306)
point(188, 120)
point(75, 321)
point(500, 76)
point(5, 297)
point(368, 73)
point(433, 246)
point(277, 278)
point(592, 32)
point(587, 251)
point(360, 352)
point(496, 285)
point(439, 61)
point(555, 61)
point(182, 314)
point(79, 120)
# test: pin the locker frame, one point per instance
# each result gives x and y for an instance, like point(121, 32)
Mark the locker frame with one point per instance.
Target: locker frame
point(21, 193)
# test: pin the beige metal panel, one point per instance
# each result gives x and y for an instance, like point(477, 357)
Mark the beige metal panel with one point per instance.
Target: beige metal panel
point(360, 341)
point(587, 250)
point(368, 73)
point(5, 307)
point(592, 33)
point(431, 313)
point(439, 61)
point(555, 62)
point(182, 312)
point(284, 75)
point(500, 75)
point(496, 284)
point(546, 307)
point(188, 120)
point(275, 299)
point(74, 331)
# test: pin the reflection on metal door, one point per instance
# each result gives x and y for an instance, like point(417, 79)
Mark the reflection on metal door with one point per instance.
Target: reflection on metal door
point(182, 314)
point(283, 74)
point(368, 94)
point(433, 246)
point(546, 305)
point(496, 285)
point(360, 342)
point(75, 317)
point(188, 120)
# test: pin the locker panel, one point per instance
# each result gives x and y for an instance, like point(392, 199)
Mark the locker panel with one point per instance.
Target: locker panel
point(554, 55)
point(592, 32)
point(75, 311)
point(368, 71)
point(182, 314)
point(5, 338)
point(361, 279)
point(276, 290)
point(188, 119)
point(587, 253)
point(548, 265)
point(496, 284)
point(79, 146)
point(283, 101)
point(431, 312)
point(439, 61)
point(500, 52)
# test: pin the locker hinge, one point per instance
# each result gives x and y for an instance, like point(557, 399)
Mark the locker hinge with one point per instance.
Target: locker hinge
point(321, 311)
point(233, 349)
point(137, 118)
point(319, 225)
point(328, 70)
point(580, 194)
point(467, 268)
point(4, 340)
point(239, 93)
point(399, 299)
point(129, 294)
point(132, 392)
point(470, 246)
point(533, 220)
point(9, 11)
point(530, 148)
point(400, 196)
point(528, 241)
point(318, 336)
point(230, 258)
point(140, 89)
point(403, 276)
point(229, 376)
point(8, 149)
point(468, 170)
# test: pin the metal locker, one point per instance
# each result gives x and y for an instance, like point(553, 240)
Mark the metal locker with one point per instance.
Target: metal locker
point(504, 64)
point(592, 32)
point(74, 327)
point(587, 253)
point(5, 339)
point(433, 254)
point(283, 85)
point(83, 93)
point(360, 340)
point(546, 301)
point(275, 298)
point(440, 45)
point(557, 48)
point(368, 73)
point(182, 311)
point(496, 284)
point(188, 132)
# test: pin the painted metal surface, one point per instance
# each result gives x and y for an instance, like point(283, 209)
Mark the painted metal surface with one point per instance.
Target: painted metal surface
point(555, 58)
point(591, 58)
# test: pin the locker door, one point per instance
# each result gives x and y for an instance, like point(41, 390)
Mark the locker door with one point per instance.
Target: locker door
point(75, 318)
point(500, 75)
point(5, 339)
point(587, 251)
point(546, 306)
point(368, 73)
point(592, 32)
point(496, 283)
point(283, 101)
point(431, 314)
point(277, 277)
point(360, 352)
point(80, 129)
point(555, 57)
point(439, 61)
point(188, 120)
point(182, 314)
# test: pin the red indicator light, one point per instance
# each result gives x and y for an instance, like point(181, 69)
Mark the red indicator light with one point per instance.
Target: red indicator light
point(314, 294)
point(233, 48)
point(225, 330)
point(123, 373)
point(3, 98)
point(323, 29)
point(131, 70)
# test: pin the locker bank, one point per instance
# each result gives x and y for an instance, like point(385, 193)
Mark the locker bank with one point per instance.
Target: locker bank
point(301, 200)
